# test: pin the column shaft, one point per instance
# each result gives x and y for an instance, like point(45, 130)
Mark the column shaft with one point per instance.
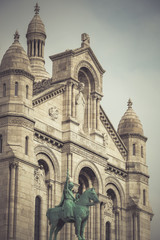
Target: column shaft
point(97, 113)
point(13, 167)
point(69, 98)
point(97, 221)
point(94, 113)
point(73, 101)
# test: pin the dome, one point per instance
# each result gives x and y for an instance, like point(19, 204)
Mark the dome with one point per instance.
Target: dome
point(36, 25)
point(130, 122)
point(15, 57)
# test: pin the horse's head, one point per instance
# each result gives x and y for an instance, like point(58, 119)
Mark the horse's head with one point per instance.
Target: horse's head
point(93, 195)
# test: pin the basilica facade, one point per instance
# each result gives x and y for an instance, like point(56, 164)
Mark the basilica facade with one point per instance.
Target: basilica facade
point(49, 124)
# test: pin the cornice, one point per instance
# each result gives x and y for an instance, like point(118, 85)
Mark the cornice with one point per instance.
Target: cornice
point(116, 171)
point(134, 135)
point(47, 96)
point(43, 137)
point(85, 152)
point(17, 72)
point(76, 52)
point(114, 135)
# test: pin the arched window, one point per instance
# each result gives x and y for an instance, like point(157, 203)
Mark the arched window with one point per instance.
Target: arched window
point(27, 88)
point(108, 231)
point(1, 140)
point(142, 151)
point(16, 88)
point(26, 145)
point(37, 218)
point(4, 90)
point(144, 197)
point(134, 149)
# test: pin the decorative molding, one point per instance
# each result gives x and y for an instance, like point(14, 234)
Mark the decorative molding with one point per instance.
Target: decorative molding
point(42, 137)
point(116, 171)
point(114, 135)
point(17, 72)
point(42, 85)
point(48, 96)
point(20, 121)
point(85, 153)
point(134, 135)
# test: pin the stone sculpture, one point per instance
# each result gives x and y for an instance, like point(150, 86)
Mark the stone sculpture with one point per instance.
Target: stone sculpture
point(80, 106)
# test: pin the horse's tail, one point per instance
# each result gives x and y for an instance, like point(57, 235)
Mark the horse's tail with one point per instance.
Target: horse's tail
point(48, 215)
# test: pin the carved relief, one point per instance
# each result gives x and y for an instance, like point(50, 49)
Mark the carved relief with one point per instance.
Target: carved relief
point(39, 178)
point(108, 208)
point(20, 122)
point(105, 139)
point(53, 113)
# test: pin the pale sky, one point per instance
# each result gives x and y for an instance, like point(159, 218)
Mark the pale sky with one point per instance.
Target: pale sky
point(125, 37)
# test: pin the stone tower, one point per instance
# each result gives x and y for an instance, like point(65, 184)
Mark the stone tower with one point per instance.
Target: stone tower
point(36, 36)
point(131, 131)
point(16, 128)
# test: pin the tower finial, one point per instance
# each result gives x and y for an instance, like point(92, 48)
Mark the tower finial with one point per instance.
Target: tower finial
point(16, 36)
point(36, 8)
point(85, 40)
point(130, 103)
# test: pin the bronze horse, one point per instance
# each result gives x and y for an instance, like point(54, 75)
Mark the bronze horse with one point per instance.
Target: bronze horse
point(81, 213)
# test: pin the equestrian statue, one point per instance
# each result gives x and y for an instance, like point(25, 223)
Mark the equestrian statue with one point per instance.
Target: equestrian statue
point(72, 210)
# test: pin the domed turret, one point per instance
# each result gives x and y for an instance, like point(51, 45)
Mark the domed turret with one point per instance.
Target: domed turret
point(130, 122)
point(36, 25)
point(15, 57)
point(36, 36)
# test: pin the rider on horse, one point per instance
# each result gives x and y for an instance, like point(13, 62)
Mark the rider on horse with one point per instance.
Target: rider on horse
point(68, 200)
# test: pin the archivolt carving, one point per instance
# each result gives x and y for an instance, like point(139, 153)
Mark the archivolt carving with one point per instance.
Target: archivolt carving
point(91, 69)
point(93, 167)
point(114, 184)
point(44, 151)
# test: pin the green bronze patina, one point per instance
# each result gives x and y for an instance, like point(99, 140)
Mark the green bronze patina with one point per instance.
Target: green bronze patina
point(71, 210)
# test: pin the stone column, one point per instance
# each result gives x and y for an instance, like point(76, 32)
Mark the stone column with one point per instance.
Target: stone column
point(13, 166)
point(42, 49)
point(91, 223)
point(73, 101)
point(97, 113)
point(69, 99)
point(117, 224)
point(49, 185)
point(69, 163)
point(32, 48)
point(102, 221)
point(89, 112)
point(135, 226)
point(97, 221)
point(36, 46)
point(94, 112)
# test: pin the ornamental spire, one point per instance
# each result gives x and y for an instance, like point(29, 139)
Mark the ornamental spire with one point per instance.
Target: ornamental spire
point(129, 103)
point(36, 8)
point(16, 36)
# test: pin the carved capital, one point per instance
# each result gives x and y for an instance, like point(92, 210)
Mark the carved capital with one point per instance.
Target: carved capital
point(13, 165)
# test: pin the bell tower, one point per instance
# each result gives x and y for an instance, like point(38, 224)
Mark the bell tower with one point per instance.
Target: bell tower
point(36, 37)
point(130, 130)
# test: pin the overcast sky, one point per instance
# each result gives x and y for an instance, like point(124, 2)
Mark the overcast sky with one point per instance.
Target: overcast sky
point(125, 37)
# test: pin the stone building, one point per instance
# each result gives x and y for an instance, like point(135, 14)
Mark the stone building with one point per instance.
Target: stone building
point(49, 124)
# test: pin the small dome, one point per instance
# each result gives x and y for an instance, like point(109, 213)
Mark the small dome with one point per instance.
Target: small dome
point(36, 25)
point(130, 122)
point(15, 57)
